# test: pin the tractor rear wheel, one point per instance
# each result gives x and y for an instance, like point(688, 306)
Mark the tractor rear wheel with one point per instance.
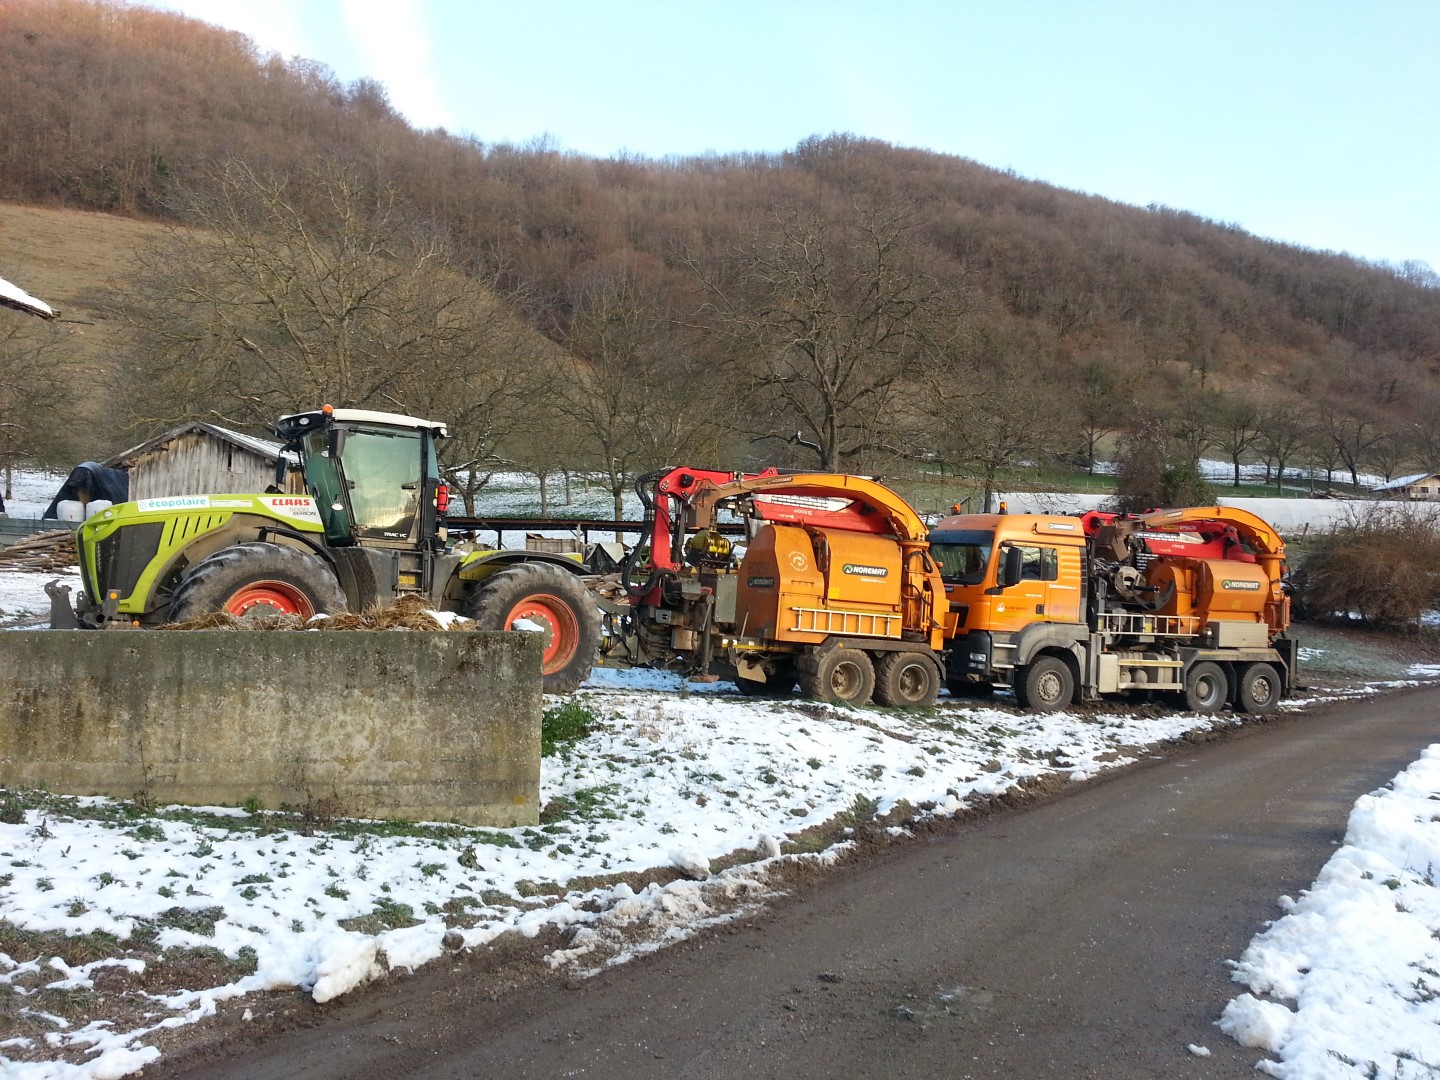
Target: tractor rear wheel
point(257, 579)
point(548, 600)
point(907, 680)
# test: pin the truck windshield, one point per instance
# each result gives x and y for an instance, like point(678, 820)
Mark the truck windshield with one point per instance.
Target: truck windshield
point(963, 555)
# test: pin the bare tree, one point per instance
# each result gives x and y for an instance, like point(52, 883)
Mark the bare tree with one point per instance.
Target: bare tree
point(633, 398)
point(1237, 431)
point(285, 292)
point(1096, 404)
point(1283, 436)
point(1354, 435)
point(990, 409)
point(39, 414)
point(826, 313)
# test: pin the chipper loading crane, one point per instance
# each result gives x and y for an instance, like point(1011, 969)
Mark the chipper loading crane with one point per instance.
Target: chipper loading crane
point(834, 588)
point(1185, 603)
point(371, 530)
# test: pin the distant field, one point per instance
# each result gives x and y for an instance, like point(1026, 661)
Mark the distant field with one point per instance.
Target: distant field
point(68, 258)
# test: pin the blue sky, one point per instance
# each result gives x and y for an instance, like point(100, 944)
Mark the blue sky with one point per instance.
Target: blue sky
point(1314, 122)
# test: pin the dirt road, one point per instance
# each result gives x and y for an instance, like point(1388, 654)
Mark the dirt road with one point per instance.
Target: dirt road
point(1083, 937)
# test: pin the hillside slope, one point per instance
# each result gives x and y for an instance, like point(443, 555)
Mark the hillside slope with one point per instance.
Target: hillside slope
point(1126, 311)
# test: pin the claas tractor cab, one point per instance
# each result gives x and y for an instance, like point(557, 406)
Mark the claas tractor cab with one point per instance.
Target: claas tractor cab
point(369, 530)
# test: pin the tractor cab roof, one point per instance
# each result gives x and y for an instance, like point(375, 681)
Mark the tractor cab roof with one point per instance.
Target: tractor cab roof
point(290, 426)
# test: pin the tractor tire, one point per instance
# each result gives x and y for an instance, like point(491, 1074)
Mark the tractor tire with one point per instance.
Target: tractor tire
point(255, 579)
point(839, 676)
point(1259, 689)
point(907, 680)
point(1206, 688)
point(552, 598)
point(1046, 685)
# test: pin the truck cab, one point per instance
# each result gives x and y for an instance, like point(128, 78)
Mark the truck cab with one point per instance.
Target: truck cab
point(1003, 572)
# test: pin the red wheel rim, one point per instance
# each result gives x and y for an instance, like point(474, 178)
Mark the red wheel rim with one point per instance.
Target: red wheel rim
point(562, 629)
point(279, 597)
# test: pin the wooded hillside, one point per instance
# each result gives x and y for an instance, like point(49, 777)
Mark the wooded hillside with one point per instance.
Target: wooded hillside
point(871, 304)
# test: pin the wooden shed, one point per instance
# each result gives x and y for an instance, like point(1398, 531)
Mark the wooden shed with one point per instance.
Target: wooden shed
point(199, 458)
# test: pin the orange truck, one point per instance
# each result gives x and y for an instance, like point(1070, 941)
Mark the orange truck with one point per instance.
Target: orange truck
point(1189, 604)
point(833, 587)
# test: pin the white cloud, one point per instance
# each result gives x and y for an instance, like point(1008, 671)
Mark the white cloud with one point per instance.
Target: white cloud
point(394, 47)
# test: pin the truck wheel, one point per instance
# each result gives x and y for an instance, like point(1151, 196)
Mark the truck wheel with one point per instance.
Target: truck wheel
point(1205, 688)
point(1259, 689)
point(537, 594)
point(906, 680)
point(257, 578)
point(840, 676)
point(1045, 685)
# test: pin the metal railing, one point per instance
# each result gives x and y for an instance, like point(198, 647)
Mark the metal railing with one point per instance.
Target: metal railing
point(832, 621)
point(1142, 623)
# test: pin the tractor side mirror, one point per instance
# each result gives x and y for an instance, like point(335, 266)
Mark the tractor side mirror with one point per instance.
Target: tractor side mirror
point(1012, 567)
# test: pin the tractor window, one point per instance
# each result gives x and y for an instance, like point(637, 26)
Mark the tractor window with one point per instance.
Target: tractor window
point(382, 470)
point(963, 555)
point(323, 480)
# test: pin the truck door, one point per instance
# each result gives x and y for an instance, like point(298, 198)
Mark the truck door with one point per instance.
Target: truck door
point(1037, 596)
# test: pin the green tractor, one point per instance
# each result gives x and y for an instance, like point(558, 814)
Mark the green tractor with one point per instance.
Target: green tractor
point(371, 530)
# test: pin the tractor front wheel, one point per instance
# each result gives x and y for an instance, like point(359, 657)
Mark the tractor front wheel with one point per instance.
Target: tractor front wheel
point(550, 601)
point(257, 579)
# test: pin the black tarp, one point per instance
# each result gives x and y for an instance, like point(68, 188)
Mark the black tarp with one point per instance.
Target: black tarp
point(89, 481)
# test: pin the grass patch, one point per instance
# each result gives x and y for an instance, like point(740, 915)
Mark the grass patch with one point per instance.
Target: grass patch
point(564, 724)
point(143, 823)
point(386, 915)
point(586, 804)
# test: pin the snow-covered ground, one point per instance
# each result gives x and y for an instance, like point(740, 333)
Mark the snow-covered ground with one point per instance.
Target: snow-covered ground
point(673, 776)
point(671, 814)
point(1347, 983)
point(31, 492)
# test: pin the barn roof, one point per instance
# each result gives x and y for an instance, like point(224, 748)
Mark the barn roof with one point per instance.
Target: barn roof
point(12, 296)
point(262, 448)
point(1403, 482)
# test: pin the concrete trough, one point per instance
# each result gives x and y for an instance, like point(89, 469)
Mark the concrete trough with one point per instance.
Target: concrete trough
point(441, 726)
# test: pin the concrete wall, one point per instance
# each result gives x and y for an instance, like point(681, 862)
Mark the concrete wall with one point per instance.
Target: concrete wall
point(422, 726)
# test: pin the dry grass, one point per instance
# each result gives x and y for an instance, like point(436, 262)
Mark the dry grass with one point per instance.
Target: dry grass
point(69, 258)
point(407, 613)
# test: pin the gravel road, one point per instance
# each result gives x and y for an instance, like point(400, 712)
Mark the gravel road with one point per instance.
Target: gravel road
point(1086, 936)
